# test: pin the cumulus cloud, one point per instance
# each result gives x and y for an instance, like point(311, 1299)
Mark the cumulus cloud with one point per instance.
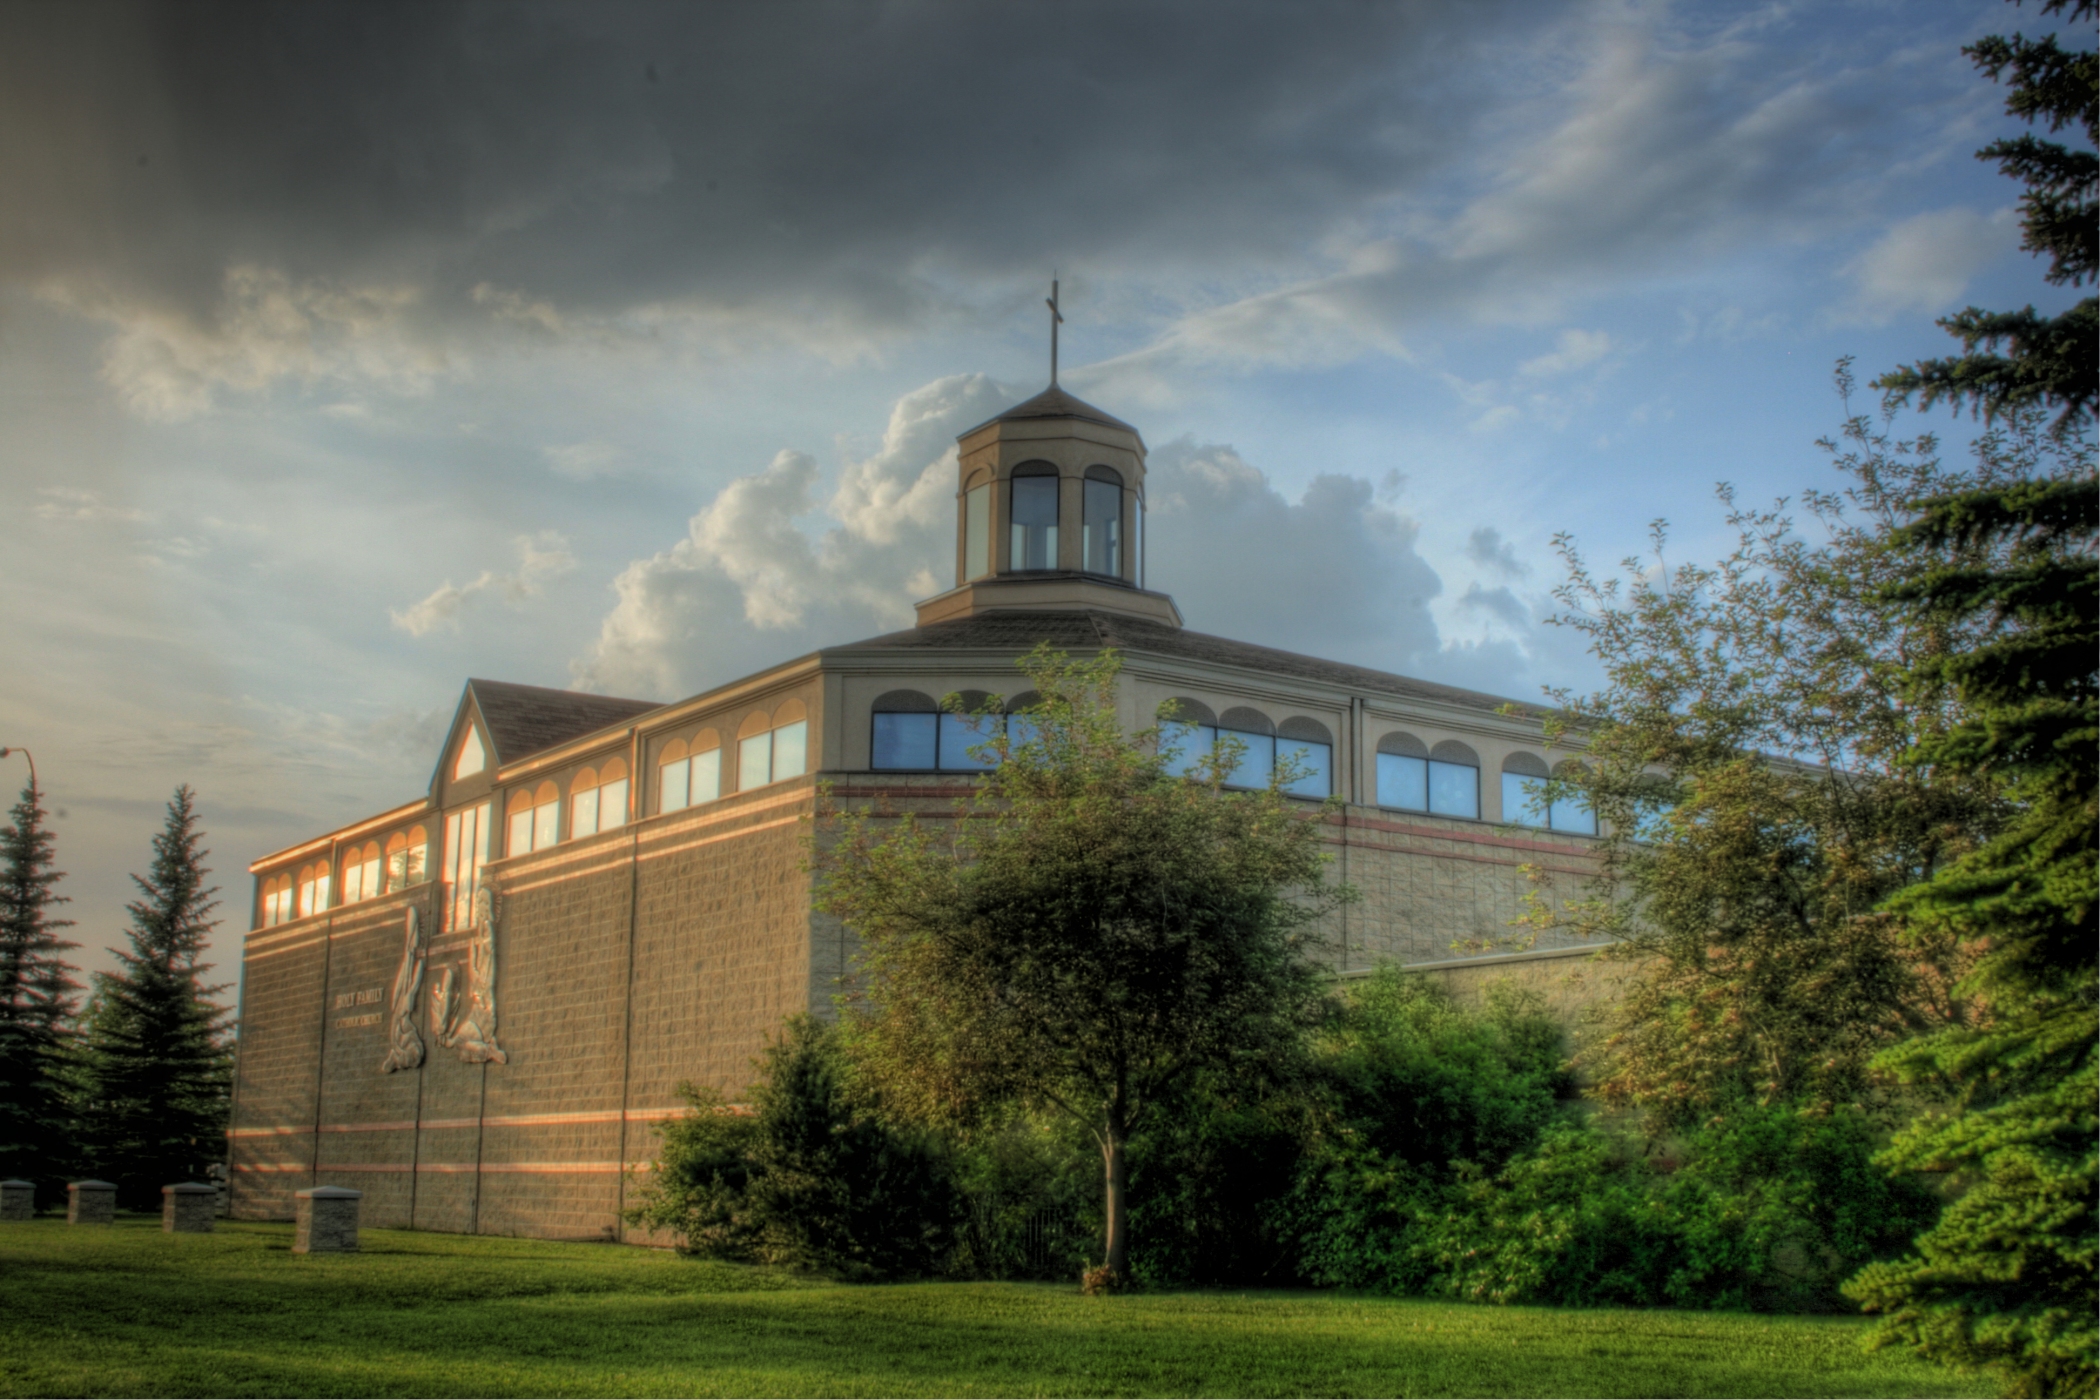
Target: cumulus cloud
point(751, 581)
point(1497, 603)
point(1486, 547)
point(541, 557)
point(776, 564)
point(1925, 262)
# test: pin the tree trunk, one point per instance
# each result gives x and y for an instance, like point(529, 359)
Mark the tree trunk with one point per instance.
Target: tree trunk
point(1117, 1259)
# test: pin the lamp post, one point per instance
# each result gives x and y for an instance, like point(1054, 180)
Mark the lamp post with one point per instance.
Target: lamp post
point(17, 748)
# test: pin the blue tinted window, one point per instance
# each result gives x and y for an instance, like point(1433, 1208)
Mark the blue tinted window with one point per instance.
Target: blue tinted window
point(1256, 760)
point(904, 741)
point(1034, 543)
point(1571, 812)
point(1192, 742)
point(1454, 789)
point(1314, 760)
point(1022, 729)
point(1523, 800)
point(1403, 782)
point(960, 734)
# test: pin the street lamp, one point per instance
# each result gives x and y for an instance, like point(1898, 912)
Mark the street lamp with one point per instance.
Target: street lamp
point(4, 752)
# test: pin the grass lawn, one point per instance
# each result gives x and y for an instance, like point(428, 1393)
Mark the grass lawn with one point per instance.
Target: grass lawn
point(127, 1310)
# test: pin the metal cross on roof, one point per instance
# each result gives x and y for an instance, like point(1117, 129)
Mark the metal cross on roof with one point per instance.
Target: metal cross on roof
point(1056, 319)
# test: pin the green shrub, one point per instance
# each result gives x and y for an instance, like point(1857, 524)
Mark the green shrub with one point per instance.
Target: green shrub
point(1210, 1179)
point(814, 1177)
point(1412, 1090)
point(1772, 1209)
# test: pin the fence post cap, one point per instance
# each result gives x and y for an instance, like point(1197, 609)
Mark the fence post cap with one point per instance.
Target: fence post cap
point(15, 1183)
point(91, 1185)
point(189, 1188)
point(329, 1193)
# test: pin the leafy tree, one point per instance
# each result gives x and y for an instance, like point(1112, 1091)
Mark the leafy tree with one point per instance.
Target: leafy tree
point(156, 1071)
point(37, 999)
point(1088, 932)
point(2047, 359)
point(1750, 753)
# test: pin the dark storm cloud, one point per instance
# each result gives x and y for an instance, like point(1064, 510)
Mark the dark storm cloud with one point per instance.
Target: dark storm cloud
point(605, 155)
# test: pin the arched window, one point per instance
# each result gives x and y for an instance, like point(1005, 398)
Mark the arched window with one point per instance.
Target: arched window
point(771, 748)
point(1101, 523)
point(598, 799)
point(905, 733)
point(1454, 780)
point(961, 733)
point(1570, 810)
point(1021, 728)
point(534, 819)
point(1187, 729)
point(977, 527)
point(1257, 736)
point(1403, 772)
point(1033, 512)
point(313, 888)
point(689, 772)
point(360, 872)
point(1306, 745)
point(407, 858)
point(1524, 790)
point(277, 900)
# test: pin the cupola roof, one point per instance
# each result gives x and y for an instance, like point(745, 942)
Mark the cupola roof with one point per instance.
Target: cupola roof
point(1054, 402)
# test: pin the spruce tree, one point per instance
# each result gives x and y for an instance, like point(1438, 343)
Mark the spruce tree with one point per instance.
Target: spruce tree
point(156, 1070)
point(37, 1001)
point(2048, 360)
point(2009, 1278)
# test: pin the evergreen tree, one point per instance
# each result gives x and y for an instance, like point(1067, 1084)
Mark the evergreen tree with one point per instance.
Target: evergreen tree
point(2009, 1279)
point(156, 1070)
point(2047, 359)
point(37, 1000)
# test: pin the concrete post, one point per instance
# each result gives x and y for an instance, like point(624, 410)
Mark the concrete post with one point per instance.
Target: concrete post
point(327, 1220)
point(186, 1208)
point(91, 1203)
point(17, 1199)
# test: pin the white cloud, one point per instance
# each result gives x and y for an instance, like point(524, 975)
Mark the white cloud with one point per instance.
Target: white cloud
point(1925, 262)
point(168, 365)
point(1577, 350)
point(540, 557)
point(71, 503)
point(746, 567)
point(585, 461)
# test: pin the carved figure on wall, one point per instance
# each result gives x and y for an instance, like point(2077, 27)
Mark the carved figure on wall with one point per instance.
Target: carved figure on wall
point(404, 1046)
point(473, 1031)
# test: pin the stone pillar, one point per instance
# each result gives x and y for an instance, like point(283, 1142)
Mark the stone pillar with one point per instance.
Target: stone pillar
point(186, 1208)
point(327, 1221)
point(91, 1203)
point(17, 1199)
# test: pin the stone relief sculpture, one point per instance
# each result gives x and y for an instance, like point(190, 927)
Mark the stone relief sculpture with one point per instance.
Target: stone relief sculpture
point(404, 1046)
point(473, 1031)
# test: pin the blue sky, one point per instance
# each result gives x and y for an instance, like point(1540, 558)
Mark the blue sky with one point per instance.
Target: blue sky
point(346, 352)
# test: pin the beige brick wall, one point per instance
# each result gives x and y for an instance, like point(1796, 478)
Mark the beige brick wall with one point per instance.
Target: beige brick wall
point(672, 949)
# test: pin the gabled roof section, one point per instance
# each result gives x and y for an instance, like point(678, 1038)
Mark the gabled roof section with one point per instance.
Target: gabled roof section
point(524, 719)
point(1054, 402)
point(1090, 631)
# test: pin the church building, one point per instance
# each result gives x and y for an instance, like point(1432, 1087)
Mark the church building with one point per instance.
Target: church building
point(474, 1007)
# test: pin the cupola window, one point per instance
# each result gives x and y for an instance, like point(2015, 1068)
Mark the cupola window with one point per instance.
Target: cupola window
point(1034, 515)
point(1101, 525)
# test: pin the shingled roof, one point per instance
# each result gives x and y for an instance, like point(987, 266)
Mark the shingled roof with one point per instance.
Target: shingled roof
point(1090, 630)
point(524, 719)
point(1054, 402)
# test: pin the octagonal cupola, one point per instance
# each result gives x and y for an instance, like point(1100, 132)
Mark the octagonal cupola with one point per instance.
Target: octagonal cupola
point(1050, 514)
